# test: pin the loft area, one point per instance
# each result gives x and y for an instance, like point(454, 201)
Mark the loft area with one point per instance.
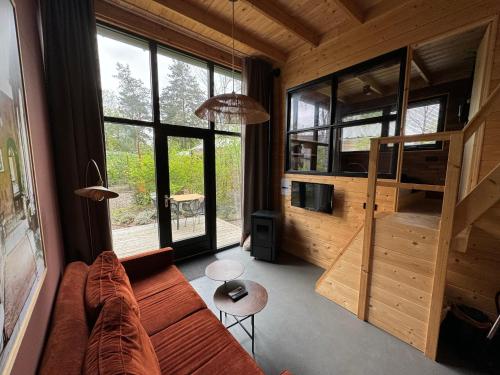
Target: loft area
point(249, 187)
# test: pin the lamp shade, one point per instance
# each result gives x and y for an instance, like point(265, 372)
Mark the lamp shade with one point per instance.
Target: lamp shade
point(96, 193)
point(232, 109)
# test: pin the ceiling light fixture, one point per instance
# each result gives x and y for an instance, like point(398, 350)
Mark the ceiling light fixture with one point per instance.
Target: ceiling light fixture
point(232, 108)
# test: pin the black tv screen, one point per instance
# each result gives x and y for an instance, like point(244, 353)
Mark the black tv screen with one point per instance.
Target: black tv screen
point(311, 196)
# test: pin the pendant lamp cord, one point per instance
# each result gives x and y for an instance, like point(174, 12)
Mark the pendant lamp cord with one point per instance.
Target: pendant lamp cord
point(232, 54)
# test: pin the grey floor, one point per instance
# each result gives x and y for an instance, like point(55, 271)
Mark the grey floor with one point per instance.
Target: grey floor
point(305, 332)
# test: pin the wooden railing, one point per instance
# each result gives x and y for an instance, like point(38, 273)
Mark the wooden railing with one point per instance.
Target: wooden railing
point(450, 194)
point(454, 182)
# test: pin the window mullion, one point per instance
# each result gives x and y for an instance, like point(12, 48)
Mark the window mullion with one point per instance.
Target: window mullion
point(154, 83)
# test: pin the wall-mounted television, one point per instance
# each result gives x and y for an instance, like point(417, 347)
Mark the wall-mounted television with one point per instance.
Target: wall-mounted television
point(312, 196)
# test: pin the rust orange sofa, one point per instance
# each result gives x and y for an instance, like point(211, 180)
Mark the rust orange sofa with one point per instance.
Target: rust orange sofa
point(186, 336)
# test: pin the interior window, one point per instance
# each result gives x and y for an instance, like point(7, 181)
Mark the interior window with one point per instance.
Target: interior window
point(309, 150)
point(366, 107)
point(365, 99)
point(310, 122)
point(310, 107)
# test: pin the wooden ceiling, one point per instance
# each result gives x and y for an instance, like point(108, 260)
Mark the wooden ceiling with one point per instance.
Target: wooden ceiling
point(271, 29)
point(447, 59)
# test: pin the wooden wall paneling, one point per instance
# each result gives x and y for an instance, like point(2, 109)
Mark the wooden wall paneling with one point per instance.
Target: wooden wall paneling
point(413, 23)
point(340, 282)
point(445, 237)
point(319, 237)
point(401, 279)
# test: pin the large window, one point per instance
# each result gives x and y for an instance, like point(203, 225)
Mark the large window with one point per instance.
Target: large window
point(183, 86)
point(331, 120)
point(125, 76)
point(150, 93)
point(226, 81)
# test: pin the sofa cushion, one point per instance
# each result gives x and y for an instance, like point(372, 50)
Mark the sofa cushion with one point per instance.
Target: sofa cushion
point(188, 345)
point(168, 306)
point(107, 278)
point(167, 277)
point(233, 359)
point(69, 327)
point(119, 344)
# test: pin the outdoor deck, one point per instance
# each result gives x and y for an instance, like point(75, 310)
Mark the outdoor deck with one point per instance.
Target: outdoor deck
point(139, 238)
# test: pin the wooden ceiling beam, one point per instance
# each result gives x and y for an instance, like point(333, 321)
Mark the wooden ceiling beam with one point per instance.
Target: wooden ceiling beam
point(272, 11)
point(143, 24)
point(422, 70)
point(351, 10)
point(374, 86)
point(220, 25)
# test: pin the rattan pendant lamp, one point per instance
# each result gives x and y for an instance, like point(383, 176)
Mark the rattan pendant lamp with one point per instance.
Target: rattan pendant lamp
point(232, 108)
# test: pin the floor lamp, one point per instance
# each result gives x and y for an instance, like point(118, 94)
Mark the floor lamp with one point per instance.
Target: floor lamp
point(96, 193)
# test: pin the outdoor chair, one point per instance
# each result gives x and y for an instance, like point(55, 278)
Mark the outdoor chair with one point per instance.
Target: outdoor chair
point(191, 209)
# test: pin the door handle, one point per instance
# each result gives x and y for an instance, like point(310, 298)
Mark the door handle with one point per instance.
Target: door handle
point(167, 201)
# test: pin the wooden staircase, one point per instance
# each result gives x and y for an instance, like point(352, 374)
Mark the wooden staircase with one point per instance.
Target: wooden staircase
point(472, 209)
point(393, 271)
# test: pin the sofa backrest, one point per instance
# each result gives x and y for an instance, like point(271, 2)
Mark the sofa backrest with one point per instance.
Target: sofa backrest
point(69, 332)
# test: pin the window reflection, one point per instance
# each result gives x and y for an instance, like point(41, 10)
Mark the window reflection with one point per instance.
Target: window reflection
point(309, 150)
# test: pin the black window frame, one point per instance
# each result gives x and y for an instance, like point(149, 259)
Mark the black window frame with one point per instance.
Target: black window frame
point(443, 106)
point(333, 152)
point(160, 131)
point(331, 79)
point(153, 49)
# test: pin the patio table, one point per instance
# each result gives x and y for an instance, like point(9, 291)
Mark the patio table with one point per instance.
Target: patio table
point(179, 198)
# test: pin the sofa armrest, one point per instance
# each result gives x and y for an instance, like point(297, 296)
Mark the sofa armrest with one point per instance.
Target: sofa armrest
point(142, 265)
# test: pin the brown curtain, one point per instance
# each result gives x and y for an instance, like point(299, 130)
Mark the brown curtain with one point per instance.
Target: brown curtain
point(257, 189)
point(72, 84)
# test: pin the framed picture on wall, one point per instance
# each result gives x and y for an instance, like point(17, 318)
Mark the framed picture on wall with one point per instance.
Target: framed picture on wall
point(22, 256)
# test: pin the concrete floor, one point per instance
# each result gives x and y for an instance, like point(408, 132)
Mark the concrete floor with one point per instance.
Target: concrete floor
point(306, 333)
